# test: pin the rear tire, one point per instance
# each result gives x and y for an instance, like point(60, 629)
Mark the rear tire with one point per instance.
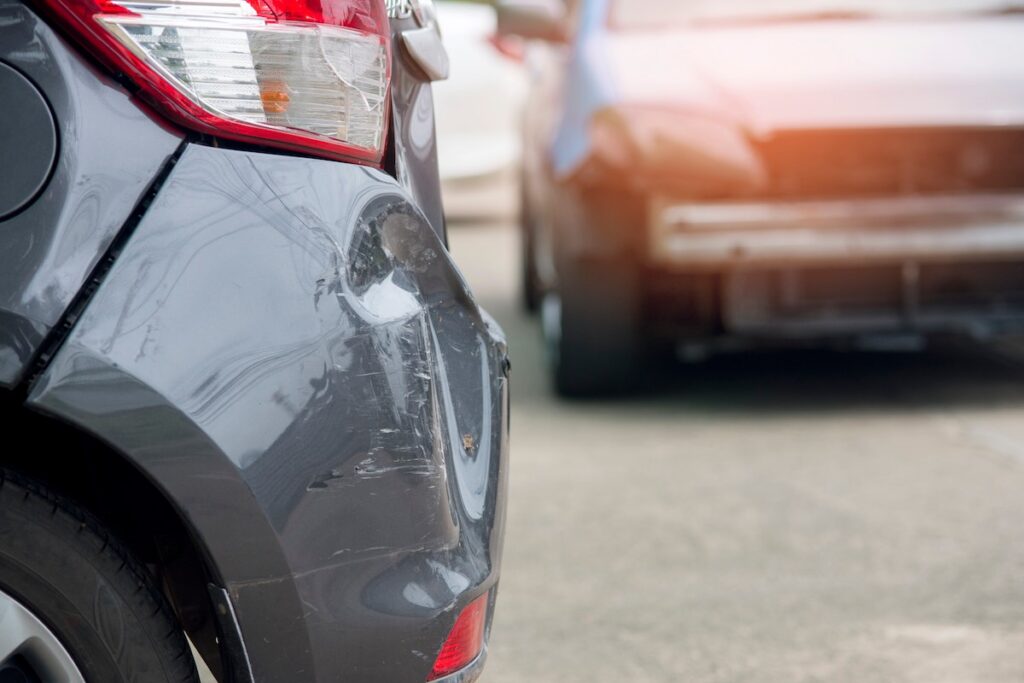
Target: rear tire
point(98, 602)
point(592, 327)
point(529, 279)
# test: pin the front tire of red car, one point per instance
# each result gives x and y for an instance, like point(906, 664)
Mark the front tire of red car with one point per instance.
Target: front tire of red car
point(530, 294)
point(75, 606)
point(591, 325)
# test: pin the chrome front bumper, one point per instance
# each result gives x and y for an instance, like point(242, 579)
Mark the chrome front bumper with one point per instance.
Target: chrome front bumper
point(869, 230)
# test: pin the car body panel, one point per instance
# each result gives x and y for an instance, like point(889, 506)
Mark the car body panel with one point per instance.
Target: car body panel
point(110, 153)
point(911, 72)
point(916, 72)
point(413, 128)
point(285, 347)
point(542, 114)
point(29, 151)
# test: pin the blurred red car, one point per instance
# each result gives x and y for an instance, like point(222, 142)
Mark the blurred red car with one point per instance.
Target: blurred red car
point(705, 174)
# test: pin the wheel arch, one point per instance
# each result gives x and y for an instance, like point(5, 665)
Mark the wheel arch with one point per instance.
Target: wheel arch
point(136, 510)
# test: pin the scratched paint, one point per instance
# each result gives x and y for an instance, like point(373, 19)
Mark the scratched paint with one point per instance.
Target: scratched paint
point(336, 394)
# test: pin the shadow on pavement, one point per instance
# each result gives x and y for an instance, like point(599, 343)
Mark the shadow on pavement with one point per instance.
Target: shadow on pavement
point(949, 374)
point(961, 375)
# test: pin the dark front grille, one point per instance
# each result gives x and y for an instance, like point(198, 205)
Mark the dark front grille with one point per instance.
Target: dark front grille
point(885, 163)
point(975, 297)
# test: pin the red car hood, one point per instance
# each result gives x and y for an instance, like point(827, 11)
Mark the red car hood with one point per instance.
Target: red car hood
point(831, 74)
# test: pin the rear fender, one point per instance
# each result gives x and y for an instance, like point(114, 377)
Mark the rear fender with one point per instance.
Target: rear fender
point(286, 348)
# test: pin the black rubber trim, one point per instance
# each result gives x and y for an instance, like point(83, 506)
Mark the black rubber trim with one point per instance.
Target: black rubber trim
point(59, 333)
point(234, 652)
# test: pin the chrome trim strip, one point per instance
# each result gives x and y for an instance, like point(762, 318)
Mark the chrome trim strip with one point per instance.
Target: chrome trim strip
point(936, 228)
point(796, 244)
point(886, 211)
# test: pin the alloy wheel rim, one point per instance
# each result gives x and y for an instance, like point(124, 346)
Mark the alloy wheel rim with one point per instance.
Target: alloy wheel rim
point(29, 651)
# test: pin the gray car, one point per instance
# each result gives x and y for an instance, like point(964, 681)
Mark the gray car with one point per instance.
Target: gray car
point(247, 400)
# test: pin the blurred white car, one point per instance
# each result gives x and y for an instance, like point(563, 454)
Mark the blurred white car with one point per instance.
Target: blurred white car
point(479, 106)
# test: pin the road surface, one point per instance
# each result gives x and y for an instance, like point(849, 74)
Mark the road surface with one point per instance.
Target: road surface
point(775, 517)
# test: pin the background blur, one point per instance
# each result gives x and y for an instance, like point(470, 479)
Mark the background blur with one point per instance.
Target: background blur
point(802, 515)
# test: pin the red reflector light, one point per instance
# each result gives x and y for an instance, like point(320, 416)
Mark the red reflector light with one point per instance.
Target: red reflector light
point(309, 76)
point(465, 641)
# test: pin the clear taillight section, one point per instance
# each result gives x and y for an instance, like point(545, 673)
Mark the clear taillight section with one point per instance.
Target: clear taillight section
point(308, 75)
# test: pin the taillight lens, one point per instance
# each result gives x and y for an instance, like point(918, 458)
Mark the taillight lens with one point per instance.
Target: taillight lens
point(305, 75)
point(465, 641)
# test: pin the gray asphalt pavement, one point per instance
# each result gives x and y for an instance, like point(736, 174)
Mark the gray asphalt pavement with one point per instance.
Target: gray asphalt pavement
point(776, 517)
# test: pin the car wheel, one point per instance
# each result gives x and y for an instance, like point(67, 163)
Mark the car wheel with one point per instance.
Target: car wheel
point(74, 605)
point(591, 326)
point(529, 279)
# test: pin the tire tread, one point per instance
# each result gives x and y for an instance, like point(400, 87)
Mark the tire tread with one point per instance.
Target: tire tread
point(117, 565)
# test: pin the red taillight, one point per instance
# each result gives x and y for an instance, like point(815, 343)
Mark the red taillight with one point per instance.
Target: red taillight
point(369, 16)
point(305, 75)
point(465, 641)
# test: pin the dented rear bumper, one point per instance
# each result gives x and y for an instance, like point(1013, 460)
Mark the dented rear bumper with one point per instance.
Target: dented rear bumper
point(286, 349)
